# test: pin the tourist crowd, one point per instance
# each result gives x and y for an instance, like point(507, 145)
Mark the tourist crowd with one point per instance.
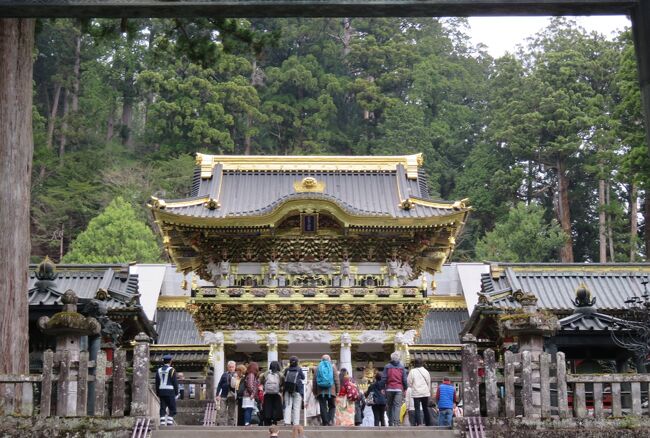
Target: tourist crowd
point(246, 396)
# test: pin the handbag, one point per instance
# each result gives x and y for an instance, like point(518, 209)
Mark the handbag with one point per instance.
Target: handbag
point(248, 402)
point(370, 400)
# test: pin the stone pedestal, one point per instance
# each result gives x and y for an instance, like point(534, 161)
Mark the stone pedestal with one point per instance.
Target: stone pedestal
point(346, 353)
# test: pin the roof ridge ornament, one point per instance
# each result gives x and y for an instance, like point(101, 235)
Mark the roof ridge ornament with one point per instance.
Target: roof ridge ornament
point(309, 184)
point(583, 297)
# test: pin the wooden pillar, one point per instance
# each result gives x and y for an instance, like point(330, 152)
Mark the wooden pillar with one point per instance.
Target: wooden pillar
point(16, 149)
point(641, 30)
point(140, 387)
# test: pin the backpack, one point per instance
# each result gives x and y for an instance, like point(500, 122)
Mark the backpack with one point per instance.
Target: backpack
point(325, 375)
point(291, 380)
point(272, 383)
point(352, 392)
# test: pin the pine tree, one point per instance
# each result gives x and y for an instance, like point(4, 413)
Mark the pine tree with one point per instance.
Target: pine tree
point(115, 236)
point(524, 236)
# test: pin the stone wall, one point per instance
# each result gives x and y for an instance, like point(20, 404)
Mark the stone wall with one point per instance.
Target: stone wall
point(72, 427)
point(624, 427)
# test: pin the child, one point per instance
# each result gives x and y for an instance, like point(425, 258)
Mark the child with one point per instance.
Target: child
point(273, 431)
point(298, 432)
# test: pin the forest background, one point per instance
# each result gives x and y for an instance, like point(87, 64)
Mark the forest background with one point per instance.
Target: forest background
point(547, 143)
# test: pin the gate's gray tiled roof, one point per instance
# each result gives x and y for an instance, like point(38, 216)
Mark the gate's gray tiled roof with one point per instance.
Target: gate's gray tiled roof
point(442, 326)
point(176, 326)
point(241, 192)
point(554, 285)
point(85, 281)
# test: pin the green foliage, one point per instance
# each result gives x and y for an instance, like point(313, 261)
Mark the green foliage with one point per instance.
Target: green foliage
point(153, 92)
point(115, 236)
point(524, 236)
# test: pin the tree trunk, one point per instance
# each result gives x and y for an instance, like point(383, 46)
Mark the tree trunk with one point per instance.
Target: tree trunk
point(634, 227)
point(248, 140)
point(76, 71)
point(529, 183)
point(127, 109)
point(110, 125)
point(564, 215)
point(63, 139)
point(52, 120)
point(610, 231)
point(16, 149)
point(347, 36)
point(602, 234)
point(646, 226)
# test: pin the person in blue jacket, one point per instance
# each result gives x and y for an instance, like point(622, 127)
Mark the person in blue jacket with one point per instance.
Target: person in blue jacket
point(167, 390)
point(446, 396)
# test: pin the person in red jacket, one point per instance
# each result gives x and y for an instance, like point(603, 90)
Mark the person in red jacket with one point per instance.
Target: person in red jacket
point(393, 379)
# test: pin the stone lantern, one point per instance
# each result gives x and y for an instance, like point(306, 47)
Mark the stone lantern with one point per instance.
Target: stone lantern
point(68, 326)
point(530, 326)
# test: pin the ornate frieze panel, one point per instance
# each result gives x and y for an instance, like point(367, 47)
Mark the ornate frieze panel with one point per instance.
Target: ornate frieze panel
point(215, 315)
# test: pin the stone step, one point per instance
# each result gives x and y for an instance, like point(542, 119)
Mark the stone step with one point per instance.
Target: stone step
point(310, 432)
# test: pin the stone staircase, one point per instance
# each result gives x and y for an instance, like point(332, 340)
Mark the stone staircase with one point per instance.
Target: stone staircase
point(310, 432)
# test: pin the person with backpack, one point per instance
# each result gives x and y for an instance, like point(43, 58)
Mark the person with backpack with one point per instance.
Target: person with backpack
point(326, 385)
point(294, 391)
point(226, 395)
point(394, 380)
point(376, 398)
point(272, 381)
point(419, 380)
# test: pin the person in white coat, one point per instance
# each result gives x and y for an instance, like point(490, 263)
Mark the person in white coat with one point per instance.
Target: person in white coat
point(419, 381)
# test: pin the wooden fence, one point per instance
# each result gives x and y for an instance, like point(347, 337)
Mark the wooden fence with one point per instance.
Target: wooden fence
point(538, 386)
point(66, 384)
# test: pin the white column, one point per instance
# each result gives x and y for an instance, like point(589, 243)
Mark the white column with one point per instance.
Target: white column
point(401, 346)
point(346, 353)
point(272, 348)
point(217, 359)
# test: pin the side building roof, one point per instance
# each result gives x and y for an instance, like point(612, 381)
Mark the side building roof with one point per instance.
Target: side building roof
point(554, 285)
point(86, 281)
point(114, 284)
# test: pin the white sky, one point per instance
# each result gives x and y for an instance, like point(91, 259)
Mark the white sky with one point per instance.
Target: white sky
point(503, 34)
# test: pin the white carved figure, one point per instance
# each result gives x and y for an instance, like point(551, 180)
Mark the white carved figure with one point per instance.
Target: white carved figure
point(345, 268)
point(272, 339)
point(212, 338)
point(407, 337)
point(213, 270)
point(246, 337)
point(404, 273)
point(274, 268)
point(393, 267)
point(309, 336)
point(322, 267)
point(346, 339)
point(373, 337)
point(224, 268)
